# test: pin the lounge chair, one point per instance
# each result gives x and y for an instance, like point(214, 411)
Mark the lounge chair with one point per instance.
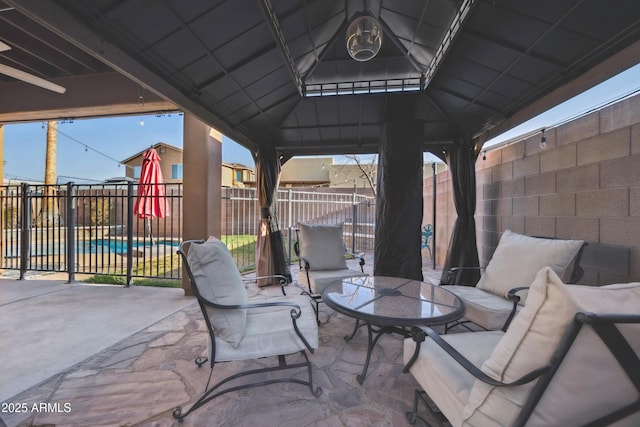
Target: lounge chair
point(321, 253)
point(569, 358)
point(501, 290)
point(240, 329)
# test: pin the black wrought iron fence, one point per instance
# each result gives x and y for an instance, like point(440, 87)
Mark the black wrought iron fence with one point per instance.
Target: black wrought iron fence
point(88, 229)
point(92, 229)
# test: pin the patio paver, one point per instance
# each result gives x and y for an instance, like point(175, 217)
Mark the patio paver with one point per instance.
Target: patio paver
point(140, 380)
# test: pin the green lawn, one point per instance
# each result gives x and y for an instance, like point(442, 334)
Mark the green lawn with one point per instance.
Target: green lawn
point(242, 248)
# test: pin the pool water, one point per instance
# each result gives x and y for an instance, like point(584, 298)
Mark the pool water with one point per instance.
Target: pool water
point(116, 246)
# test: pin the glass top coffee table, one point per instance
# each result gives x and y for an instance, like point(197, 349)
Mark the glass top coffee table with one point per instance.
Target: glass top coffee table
point(391, 305)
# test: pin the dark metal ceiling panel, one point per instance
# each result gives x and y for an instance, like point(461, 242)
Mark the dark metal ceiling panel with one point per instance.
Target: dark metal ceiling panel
point(242, 65)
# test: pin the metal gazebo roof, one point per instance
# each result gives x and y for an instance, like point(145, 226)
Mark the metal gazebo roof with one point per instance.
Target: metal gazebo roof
point(276, 72)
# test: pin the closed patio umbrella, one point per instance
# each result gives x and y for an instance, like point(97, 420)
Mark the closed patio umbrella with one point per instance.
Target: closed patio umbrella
point(269, 249)
point(151, 202)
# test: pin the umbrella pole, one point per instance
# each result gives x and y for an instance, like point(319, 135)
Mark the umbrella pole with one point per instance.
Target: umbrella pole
point(149, 227)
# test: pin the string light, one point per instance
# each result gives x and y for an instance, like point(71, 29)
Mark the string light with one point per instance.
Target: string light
point(87, 147)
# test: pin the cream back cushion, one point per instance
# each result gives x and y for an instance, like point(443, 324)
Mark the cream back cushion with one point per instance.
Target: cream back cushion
point(534, 335)
point(518, 258)
point(218, 280)
point(322, 246)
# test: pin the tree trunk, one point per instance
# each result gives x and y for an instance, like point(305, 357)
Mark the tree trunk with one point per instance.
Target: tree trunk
point(49, 208)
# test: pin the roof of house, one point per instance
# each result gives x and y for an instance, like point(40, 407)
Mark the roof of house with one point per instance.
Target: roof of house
point(156, 146)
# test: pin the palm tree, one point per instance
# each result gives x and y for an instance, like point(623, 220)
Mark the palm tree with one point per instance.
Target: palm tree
point(49, 208)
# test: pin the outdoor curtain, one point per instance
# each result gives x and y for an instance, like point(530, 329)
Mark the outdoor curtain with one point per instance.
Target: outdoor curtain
point(463, 249)
point(269, 248)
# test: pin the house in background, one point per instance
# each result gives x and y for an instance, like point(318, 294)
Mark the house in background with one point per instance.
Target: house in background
point(306, 172)
point(233, 174)
point(237, 175)
point(318, 172)
point(170, 163)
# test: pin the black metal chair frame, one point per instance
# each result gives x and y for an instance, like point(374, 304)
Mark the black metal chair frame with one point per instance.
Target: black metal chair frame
point(605, 326)
point(215, 390)
point(512, 295)
point(304, 265)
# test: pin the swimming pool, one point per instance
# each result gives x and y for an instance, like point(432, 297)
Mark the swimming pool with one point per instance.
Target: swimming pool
point(116, 246)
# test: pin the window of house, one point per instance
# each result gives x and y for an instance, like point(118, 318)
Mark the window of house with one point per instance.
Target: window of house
point(136, 171)
point(238, 176)
point(176, 171)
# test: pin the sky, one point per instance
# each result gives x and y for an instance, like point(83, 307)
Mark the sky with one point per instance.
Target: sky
point(91, 149)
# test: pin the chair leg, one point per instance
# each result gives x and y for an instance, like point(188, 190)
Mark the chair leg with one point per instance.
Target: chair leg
point(316, 300)
point(214, 391)
point(412, 416)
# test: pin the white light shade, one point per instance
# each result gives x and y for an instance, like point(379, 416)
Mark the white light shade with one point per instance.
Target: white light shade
point(364, 38)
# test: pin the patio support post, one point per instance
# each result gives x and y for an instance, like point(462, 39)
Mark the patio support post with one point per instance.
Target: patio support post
point(463, 247)
point(399, 200)
point(202, 179)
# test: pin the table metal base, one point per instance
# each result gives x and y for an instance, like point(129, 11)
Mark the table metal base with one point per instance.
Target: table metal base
point(378, 331)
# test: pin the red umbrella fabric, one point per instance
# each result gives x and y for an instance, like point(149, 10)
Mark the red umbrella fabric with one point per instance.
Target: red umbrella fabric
point(151, 200)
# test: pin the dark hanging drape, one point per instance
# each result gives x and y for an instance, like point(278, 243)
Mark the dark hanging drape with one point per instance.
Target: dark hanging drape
point(463, 248)
point(269, 249)
point(399, 203)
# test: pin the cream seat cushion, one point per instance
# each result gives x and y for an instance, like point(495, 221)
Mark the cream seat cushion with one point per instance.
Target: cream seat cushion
point(573, 398)
point(518, 258)
point(219, 281)
point(484, 308)
point(446, 382)
point(321, 279)
point(322, 245)
point(270, 332)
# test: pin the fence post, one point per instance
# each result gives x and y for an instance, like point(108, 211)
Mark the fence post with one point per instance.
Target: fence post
point(130, 202)
point(71, 236)
point(433, 238)
point(354, 221)
point(25, 232)
point(290, 214)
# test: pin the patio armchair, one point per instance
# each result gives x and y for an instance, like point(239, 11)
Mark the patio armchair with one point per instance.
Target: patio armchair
point(321, 256)
point(569, 358)
point(425, 239)
point(502, 289)
point(241, 329)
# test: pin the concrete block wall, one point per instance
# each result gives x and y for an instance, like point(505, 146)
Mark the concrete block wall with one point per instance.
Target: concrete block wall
point(584, 185)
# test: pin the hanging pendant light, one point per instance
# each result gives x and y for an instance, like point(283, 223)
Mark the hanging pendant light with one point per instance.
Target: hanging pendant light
point(364, 38)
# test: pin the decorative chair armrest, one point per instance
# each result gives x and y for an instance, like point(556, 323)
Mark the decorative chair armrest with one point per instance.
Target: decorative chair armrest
point(304, 263)
point(295, 312)
point(282, 280)
point(452, 270)
point(512, 296)
point(419, 333)
point(359, 257)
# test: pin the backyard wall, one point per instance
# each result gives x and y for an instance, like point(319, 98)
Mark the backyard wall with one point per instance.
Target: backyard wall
point(584, 185)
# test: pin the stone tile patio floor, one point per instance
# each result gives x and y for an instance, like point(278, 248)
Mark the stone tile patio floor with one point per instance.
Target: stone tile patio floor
point(140, 380)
